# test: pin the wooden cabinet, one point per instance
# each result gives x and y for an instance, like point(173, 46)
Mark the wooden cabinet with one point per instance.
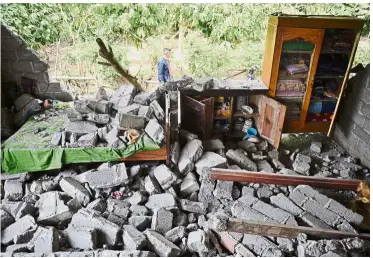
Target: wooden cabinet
point(306, 66)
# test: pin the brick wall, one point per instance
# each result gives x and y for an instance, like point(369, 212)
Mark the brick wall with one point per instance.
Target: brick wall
point(18, 60)
point(352, 129)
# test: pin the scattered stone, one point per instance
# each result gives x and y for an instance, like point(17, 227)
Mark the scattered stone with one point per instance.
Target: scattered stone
point(198, 242)
point(264, 192)
point(6, 219)
point(128, 121)
point(88, 140)
point(45, 240)
point(187, 135)
point(11, 249)
point(74, 205)
point(243, 251)
point(209, 160)
point(56, 139)
point(241, 160)
point(195, 207)
point(161, 245)
point(157, 110)
point(158, 201)
point(320, 212)
point(119, 208)
point(140, 222)
point(258, 156)
point(18, 229)
point(74, 189)
point(281, 201)
point(310, 248)
point(213, 145)
point(81, 238)
point(133, 239)
point(98, 205)
point(164, 176)
point(176, 234)
point(191, 152)
point(261, 246)
point(152, 186)
point(247, 190)
point(205, 194)
point(345, 226)
point(52, 209)
point(155, 131)
point(289, 172)
point(80, 127)
point(264, 166)
point(223, 190)
point(316, 147)
point(180, 219)
point(162, 220)
point(123, 96)
point(301, 167)
point(13, 190)
point(342, 211)
point(138, 197)
point(262, 146)
point(189, 184)
point(247, 146)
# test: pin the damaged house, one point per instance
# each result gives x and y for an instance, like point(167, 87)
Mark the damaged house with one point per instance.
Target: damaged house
point(195, 167)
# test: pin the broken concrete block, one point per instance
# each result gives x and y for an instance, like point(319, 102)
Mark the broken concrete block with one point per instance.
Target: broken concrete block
point(189, 184)
point(241, 160)
point(230, 240)
point(205, 194)
point(320, 212)
point(152, 186)
point(261, 246)
point(258, 155)
point(98, 205)
point(312, 193)
point(176, 234)
point(52, 209)
point(301, 167)
point(344, 212)
point(155, 131)
point(17, 229)
point(262, 146)
point(6, 219)
point(111, 136)
point(45, 240)
point(140, 222)
point(316, 147)
point(223, 189)
point(105, 178)
point(297, 197)
point(116, 219)
point(195, 207)
point(141, 98)
point(132, 109)
point(13, 190)
point(191, 152)
point(268, 210)
point(213, 145)
point(303, 158)
point(264, 166)
point(281, 201)
point(123, 96)
point(81, 127)
point(264, 192)
point(74, 205)
point(138, 197)
point(101, 94)
point(162, 220)
point(81, 238)
point(345, 226)
point(286, 171)
point(56, 139)
point(164, 176)
point(107, 232)
point(128, 121)
point(285, 244)
point(180, 219)
point(243, 251)
point(132, 238)
point(247, 146)
point(98, 118)
point(161, 245)
point(175, 152)
point(313, 221)
point(75, 190)
point(198, 242)
point(310, 248)
point(18, 248)
point(241, 211)
point(157, 201)
point(157, 110)
point(145, 112)
point(118, 207)
point(209, 160)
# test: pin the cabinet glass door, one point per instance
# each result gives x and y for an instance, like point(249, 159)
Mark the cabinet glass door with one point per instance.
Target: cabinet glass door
point(297, 65)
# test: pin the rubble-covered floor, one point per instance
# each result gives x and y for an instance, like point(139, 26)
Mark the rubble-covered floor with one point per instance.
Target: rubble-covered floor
point(149, 209)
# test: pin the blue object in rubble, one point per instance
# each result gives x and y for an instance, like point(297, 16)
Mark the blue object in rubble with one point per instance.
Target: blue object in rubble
point(250, 132)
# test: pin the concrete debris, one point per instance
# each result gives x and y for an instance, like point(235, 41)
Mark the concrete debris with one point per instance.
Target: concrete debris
point(74, 189)
point(316, 147)
point(98, 205)
point(243, 251)
point(196, 207)
point(191, 152)
point(161, 245)
point(123, 96)
point(175, 152)
point(133, 239)
point(261, 246)
point(18, 229)
point(128, 121)
point(264, 166)
point(13, 190)
point(155, 131)
point(138, 197)
point(223, 190)
point(213, 145)
point(342, 211)
point(164, 176)
point(264, 192)
point(6, 219)
point(141, 98)
point(313, 221)
point(189, 185)
point(180, 219)
point(152, 186)
point(52, 209)
point(19, 248)
point(198, 242)
point(157, 110)
point(45, 240)
point(157, 201)
point(281, 201)
point(119, 208)
point(205, 194)
point(239, 158)
point(247, 146)
point(81, 127)
point(187, 135)
point(209, 160)
point(74, 205)
point(140, 222)
point(162, 220)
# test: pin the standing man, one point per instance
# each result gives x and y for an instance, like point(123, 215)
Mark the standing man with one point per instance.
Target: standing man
point(164, 67)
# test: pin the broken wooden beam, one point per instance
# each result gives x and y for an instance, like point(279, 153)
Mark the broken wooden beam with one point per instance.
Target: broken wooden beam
point(279, 179)
point(280, 230)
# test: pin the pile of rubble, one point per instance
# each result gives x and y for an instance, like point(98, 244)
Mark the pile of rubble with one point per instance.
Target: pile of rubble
point(150, 209)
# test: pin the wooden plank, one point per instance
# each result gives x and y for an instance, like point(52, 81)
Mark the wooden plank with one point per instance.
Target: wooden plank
point(280, 230)
point(269, 54)
point(209, 117)
point(279, 179)
point(160, 154)
point(344, 83)
point(224, 92)
point(308, 127)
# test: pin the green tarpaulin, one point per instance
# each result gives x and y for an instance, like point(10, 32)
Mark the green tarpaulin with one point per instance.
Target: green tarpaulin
point(30, 151)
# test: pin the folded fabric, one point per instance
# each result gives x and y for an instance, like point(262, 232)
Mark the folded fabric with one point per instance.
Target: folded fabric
point(290, 85)
point(297, 68)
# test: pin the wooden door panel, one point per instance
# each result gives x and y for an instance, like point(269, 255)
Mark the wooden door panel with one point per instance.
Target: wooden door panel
point(209, 118)
point(271, 118)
